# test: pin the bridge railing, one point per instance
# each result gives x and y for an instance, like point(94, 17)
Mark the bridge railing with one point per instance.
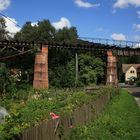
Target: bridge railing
point(117, 43)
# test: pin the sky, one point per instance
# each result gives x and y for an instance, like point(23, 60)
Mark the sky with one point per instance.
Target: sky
point(109, 19)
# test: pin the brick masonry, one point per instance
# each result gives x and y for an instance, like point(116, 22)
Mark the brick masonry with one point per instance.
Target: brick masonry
point(112, 78)
point(41, 69)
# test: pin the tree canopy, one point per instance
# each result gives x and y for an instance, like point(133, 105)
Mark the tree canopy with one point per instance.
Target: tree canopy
point(61, 62)
point(68, 35)
point(91, 69)
point(3, 32)
point(43, 31)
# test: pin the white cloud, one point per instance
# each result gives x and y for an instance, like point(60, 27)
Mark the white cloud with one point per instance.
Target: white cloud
point(136, 27)
point(137, 39)
point(4, 4)
point(119, 36)
point(11, 27)
point(138, 12)
point(81, 3)
point(137, 45)
point(126, 3)
point(63, 22)
point(34, 24)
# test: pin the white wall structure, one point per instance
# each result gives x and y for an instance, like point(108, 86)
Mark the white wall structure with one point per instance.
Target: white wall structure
point(131, 72)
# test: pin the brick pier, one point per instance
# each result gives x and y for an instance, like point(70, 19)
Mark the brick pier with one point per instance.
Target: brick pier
point(112, 78)
point(41, 69)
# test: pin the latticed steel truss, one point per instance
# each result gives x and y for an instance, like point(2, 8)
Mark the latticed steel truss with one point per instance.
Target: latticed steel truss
point(119, 48)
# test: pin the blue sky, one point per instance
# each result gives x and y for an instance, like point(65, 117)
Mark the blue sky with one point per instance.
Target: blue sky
point(116, 19)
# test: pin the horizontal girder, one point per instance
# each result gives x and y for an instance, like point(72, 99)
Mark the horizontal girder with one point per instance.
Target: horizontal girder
point(89, 47)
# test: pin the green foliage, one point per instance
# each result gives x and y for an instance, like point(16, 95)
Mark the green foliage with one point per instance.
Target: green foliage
point(38, 104)
point(26, 33)
point(43, 31)
point(67, 35)
point(91, 69)
point(120, 121)
point(3, 77)
point(138, 83)
point(61, 64)
point(7, 82)
point(3, 32)
point(63, 76)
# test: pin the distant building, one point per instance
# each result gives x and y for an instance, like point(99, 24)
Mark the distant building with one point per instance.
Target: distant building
point(131, 71)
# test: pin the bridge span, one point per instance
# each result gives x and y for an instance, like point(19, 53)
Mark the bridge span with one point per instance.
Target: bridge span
point(111, 48)
point(119, 48)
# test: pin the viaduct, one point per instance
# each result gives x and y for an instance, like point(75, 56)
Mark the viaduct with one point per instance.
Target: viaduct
point(112, 48)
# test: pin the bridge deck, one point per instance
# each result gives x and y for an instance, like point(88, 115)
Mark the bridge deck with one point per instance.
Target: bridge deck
point(86, 45)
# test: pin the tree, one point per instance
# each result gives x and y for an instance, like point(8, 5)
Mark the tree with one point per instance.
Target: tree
point(63, 75)
point(90, 69)
point(67, 35)
point(43, 31)
point(3, 32)
point(61, 63)
point(27, 33)
point(6, 81)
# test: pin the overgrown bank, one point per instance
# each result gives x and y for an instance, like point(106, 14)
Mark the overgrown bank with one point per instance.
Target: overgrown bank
point(120, 121)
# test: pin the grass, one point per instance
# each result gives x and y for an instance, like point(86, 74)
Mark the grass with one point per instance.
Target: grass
point(29, 108)
point(119, 121)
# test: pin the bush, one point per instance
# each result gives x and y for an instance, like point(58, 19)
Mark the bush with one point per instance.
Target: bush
point(138, 83)
point(24, 114)
point(6, 81)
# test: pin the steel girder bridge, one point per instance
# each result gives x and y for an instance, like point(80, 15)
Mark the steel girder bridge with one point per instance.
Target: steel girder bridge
point(112, 48)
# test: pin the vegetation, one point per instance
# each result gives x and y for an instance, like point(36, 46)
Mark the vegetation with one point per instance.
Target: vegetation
point(43, 31)
point(138, 83)
point(120, 121)
point(6, 80)
point(21, 100)
point(61, 62)
point(91, 69)
point(3, 32)
point(40, 103)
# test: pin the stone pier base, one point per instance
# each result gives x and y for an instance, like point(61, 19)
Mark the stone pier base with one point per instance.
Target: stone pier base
point(112, 78)
point(41, 69)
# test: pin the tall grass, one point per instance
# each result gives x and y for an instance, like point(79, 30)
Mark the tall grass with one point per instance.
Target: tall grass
point(119, 121)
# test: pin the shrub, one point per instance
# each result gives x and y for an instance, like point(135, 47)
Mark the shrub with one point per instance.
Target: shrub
point(6, 81)
point(138, 83)
point(24, 114)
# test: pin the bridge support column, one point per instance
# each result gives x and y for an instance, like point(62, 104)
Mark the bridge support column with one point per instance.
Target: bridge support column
point(112, 78)
point(41, 69)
